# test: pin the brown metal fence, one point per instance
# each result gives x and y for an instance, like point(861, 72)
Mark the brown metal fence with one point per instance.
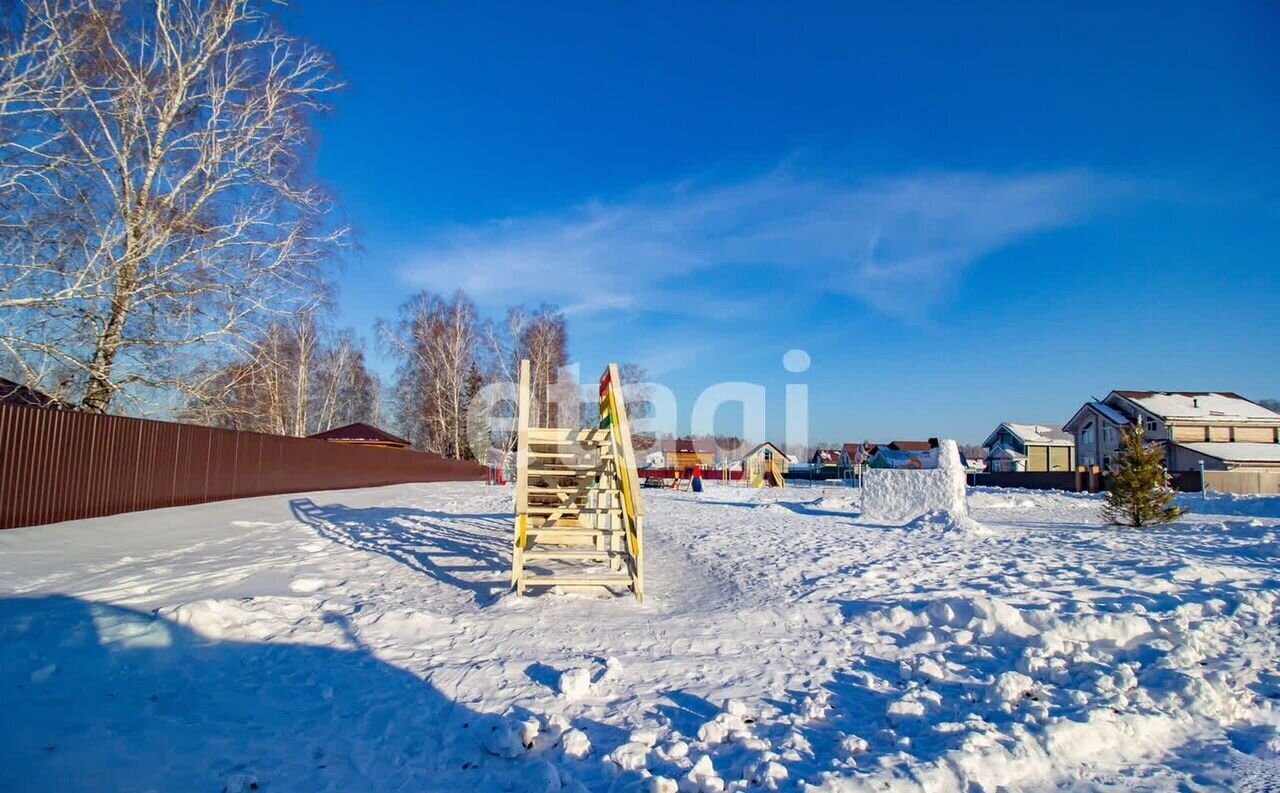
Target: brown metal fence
point(60, 465)
point(1079, 481)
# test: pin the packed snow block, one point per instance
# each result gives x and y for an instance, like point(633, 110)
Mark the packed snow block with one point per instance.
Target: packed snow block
point(902, 495)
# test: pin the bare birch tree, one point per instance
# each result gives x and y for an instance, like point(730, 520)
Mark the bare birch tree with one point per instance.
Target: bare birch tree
point(544, 340)
point(155, 200)
point(438, 343)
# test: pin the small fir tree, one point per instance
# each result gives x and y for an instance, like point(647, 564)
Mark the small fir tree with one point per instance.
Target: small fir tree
point(1139, 493)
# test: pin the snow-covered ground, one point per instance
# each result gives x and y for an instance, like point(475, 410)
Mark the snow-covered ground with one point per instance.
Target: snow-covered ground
point(364, 640)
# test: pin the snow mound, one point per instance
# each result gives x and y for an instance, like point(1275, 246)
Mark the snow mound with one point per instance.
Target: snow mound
point(904, 496)
point(576, 744)
point(575, 683)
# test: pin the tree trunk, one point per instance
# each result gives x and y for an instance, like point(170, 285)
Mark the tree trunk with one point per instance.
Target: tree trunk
point(97, 396)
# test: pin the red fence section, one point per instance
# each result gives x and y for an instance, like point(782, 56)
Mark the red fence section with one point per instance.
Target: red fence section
point(61, 465)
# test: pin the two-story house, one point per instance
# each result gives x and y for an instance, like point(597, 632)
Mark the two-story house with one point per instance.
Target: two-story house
point(1030, 447)
point(1222, 430)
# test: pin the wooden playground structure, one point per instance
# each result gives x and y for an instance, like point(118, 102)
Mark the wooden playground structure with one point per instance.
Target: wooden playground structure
point(578, 512)
point(764, 473)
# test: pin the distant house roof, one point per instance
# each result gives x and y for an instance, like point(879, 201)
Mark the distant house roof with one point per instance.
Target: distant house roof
point(911, 446)
point(1035, 434)
point(1237, 452)
point(1206, 406)
point(826, 456)
point(688, 446)
point(860, 452)
point(12, 393)
point(361, 433)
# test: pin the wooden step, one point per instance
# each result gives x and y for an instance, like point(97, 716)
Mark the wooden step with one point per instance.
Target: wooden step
point(565, 436)
point(538, 523)
point(560, 535)
point(563, 470)
point(542, 509)
point(561, 528)
point(570, 489)
point(557, 537)
point(621, 579)
point(571, 553)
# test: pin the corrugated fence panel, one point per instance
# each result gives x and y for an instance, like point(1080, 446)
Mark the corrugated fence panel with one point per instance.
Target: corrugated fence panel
point(61, 465)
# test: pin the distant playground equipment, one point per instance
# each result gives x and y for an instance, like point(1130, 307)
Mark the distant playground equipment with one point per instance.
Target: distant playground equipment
point(497, 470)
point(763, 472)
point(578, 498)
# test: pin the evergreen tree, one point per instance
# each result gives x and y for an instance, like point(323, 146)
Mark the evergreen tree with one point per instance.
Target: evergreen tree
point(1139, 493)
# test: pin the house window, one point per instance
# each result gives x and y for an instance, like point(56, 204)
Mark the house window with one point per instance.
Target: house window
point(1086, 434)
point(1152, 426)
point(1107, 434)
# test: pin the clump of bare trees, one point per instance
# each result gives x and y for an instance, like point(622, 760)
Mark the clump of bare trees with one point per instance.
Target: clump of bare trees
point(163, 242)
point(300, 377)
point(447, 355)
point(156, 206)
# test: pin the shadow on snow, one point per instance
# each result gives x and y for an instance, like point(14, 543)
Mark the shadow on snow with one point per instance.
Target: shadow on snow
point(99, 697)
point(463, 551)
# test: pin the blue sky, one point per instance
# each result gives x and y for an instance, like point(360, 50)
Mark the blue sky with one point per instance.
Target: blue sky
point(963, 215)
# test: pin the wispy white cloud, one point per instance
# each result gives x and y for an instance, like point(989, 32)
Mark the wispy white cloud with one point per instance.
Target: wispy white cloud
point(898, 244)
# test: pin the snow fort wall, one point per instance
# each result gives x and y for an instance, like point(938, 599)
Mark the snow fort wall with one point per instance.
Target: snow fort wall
point(900, 496)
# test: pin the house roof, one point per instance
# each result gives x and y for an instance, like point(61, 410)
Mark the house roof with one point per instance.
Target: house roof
point(1002, 452)
point(1036, 434)
point(1102, 408)
point(1237, 452)
point(688, 446)
point(359, 433)
point(12, 393)
point(1207, 406)
point(761, 446)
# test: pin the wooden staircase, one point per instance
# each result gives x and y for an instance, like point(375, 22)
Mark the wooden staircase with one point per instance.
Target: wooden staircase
point(578, 514)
